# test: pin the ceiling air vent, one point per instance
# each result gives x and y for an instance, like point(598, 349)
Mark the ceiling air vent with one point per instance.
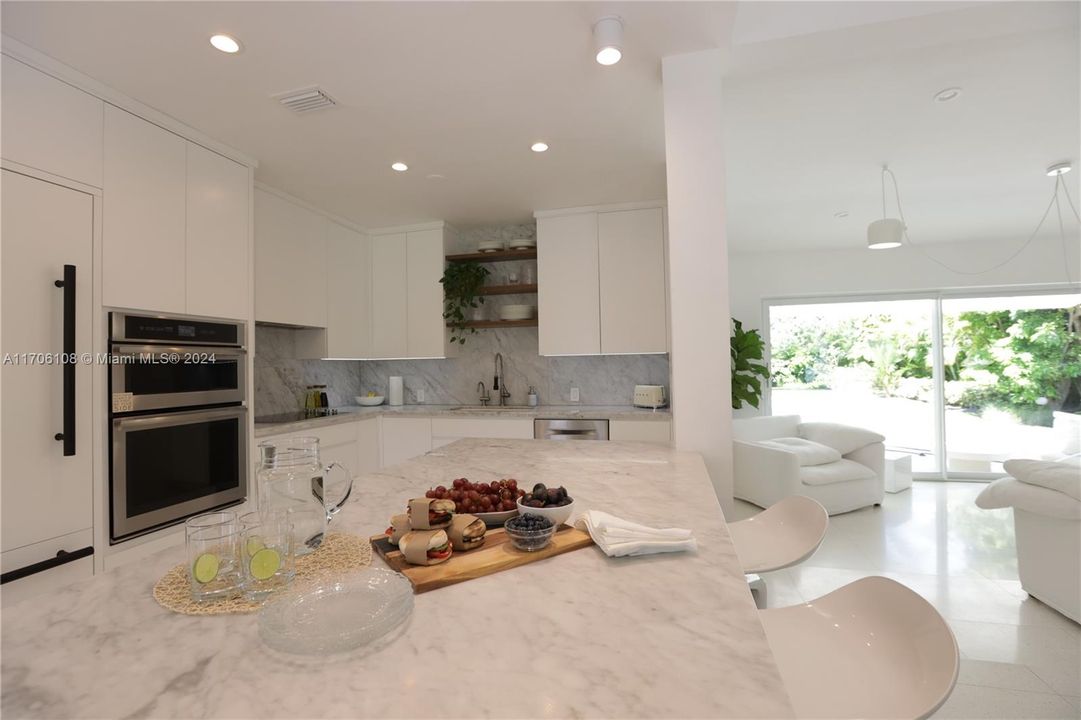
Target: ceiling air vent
point(306, 100)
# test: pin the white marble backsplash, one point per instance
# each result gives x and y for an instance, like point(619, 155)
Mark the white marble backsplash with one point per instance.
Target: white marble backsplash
point(601, 380)
point(280, 379)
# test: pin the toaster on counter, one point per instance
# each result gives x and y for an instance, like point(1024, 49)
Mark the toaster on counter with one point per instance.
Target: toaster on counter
point(649, 396)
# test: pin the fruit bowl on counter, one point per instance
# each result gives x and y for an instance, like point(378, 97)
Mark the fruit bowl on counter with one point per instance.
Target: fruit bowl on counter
point(369, 400)
point(551, 503)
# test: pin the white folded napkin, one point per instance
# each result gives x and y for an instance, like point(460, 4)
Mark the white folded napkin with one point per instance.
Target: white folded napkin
point(618, 537)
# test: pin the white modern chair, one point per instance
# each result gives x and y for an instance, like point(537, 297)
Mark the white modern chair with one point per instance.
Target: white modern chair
point(777, 456)
point(784, 534)
point(872, 649)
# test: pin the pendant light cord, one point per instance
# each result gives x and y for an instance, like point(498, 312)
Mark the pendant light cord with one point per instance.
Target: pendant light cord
point(1043, 218)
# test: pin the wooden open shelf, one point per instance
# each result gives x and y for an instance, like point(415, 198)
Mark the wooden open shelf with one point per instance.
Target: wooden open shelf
point(497, 256)
point(483, 324)
point(509, 290)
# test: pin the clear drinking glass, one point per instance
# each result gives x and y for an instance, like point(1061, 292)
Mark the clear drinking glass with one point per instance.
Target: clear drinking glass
point(527, 274)
point(213, 543)
point(267, 552)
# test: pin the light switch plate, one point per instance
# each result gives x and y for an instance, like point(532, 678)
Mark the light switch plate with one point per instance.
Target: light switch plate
point(575, 396)
point(420, 395)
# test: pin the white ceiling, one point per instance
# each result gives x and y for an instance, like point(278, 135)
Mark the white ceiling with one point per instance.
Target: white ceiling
point(456, 89)
point(819, 94)
point(810, 120)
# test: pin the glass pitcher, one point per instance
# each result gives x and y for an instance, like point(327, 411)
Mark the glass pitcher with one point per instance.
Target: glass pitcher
point(292, 479)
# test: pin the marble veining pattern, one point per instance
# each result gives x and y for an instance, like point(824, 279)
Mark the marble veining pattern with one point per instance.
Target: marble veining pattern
point(580, 635)
point(280, 379)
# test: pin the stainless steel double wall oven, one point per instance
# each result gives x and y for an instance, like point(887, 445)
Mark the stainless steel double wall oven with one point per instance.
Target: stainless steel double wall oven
point(178, 419)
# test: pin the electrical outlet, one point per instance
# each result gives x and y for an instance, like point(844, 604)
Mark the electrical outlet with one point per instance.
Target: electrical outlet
point(575, 396)
point(420, 396)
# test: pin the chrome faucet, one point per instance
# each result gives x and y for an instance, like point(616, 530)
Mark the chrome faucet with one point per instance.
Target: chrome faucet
point(485, 398)
point(498, 383)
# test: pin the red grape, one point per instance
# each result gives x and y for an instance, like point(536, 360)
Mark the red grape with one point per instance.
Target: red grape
point(430, 494)
point(440, 489)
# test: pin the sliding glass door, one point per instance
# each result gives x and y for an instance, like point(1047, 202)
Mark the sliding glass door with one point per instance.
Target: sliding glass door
point(958, 383)
point(1012, 369)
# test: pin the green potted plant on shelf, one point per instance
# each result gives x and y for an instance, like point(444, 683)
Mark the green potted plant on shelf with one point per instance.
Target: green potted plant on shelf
point(747, 374)
point(462, 282)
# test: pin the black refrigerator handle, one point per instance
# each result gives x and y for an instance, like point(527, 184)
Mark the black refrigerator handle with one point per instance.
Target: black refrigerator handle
point(68, 435)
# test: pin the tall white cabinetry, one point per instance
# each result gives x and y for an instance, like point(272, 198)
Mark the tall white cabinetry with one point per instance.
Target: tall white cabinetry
point(50, 125)
point(390, 296)
point(144, 215)
point(290, 263)
point(407, 299)
point(175, 234)
point(602, 275)
point(47, 496)
point(349, 292)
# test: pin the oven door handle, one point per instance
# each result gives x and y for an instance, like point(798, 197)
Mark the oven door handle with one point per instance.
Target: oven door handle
point(122, 350)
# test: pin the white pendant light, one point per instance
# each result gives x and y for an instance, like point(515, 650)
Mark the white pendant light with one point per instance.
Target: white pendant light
point(885, 233)
point(608, 39)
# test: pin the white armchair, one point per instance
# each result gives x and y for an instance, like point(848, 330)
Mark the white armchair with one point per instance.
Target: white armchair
point(840, 466)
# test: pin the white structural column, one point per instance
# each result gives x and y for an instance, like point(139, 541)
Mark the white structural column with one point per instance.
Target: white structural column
point(698, 263)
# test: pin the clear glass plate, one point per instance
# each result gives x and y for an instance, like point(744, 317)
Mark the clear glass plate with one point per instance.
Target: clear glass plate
point(336, 614)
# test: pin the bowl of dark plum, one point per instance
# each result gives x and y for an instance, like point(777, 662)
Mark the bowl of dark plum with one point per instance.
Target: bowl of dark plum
point(530, 532)
point(548, 502)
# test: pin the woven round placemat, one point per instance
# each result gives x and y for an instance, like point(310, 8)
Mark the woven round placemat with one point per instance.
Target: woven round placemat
point(339, 553)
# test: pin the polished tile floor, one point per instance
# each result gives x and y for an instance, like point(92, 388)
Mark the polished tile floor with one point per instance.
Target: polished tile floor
point(1019, 658)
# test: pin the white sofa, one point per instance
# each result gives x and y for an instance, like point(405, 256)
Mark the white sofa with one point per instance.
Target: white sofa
point(840, 466)
point(1046, 502)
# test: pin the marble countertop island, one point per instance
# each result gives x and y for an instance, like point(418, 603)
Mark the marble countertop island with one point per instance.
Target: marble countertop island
point(578, 635)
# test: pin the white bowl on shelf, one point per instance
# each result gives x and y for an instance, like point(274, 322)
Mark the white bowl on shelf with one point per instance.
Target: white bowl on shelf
point(367, 401)
point(522, 244)
point(517, 312)
point(488, 246)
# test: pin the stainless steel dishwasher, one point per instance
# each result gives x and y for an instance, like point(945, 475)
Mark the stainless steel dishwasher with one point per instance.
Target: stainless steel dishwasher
point(570, 429)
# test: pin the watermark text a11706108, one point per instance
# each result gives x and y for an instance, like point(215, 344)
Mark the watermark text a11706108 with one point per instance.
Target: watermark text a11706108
point(88, 358)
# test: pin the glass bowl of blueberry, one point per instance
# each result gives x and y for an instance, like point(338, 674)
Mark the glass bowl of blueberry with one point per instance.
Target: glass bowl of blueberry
point(530, 532)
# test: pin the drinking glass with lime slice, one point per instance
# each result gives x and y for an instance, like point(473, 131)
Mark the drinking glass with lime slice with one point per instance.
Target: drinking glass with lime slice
point(212, 543)
point(269, 554)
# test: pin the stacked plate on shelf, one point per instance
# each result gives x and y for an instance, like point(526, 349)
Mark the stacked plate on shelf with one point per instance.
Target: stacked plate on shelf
point(517, 312)
point(488, 246)
point(522, 244)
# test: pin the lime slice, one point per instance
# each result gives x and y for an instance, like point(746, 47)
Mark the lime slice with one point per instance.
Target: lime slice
point(264, 563)
point(205, 568)
point(253, 545)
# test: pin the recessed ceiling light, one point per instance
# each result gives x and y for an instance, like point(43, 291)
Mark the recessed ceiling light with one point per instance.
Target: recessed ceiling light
point(841, 214)
point(608, 40)
point(225, 43)
point(950, 93)
point(538, 147)
point(399, 166)
point(1060, 168)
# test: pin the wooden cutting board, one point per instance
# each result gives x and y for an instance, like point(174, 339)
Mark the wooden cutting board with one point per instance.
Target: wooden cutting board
point(497, 554)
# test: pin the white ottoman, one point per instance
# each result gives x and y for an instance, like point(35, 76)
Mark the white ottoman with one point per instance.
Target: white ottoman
point(897, 473)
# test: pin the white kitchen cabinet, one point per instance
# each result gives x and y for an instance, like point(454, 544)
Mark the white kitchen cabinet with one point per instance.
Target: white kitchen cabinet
point(426, 329)
point(569, 291)
point(218, 258)
point(447, 430)
point(405, 438)
point(390, 296)
point(368, 446)
point(290, 263)
point(144, 215)
point(656, 431)
point(602, 281)
point(348, 293)
point(47, 496)
point(634, 308)
point(50, 125)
